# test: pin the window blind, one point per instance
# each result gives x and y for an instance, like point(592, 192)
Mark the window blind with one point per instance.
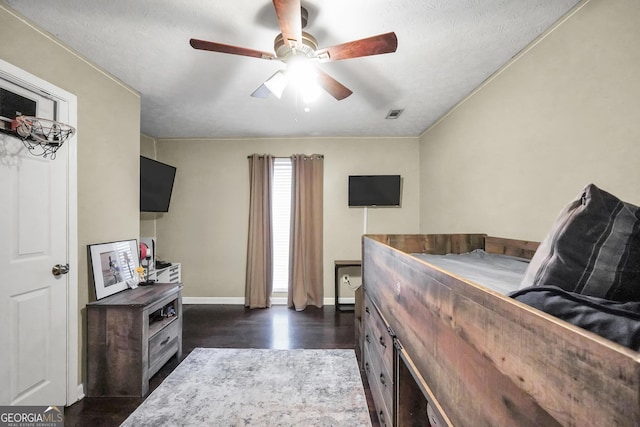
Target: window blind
point(280, 217)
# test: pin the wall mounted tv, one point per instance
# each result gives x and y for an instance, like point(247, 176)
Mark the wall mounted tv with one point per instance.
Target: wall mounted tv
point(374, 190)
point(156, 185)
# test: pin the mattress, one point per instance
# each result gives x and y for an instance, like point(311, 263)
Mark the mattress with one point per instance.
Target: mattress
point(501, 273)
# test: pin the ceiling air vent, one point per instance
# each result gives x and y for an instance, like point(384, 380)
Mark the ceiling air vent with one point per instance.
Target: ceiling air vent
point(393, 114)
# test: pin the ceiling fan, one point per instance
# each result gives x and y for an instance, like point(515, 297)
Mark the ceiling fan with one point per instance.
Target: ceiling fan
point(298, 49)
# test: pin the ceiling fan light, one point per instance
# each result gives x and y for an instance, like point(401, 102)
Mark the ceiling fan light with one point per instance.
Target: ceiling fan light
point(277, 83)
point(300, 71)
point(310, 92)
point(303, 78)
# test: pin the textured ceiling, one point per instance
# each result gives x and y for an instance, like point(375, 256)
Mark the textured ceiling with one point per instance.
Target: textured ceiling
point(446, 48)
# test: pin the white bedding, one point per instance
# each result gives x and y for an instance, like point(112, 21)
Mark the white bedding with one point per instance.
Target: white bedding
point(502, 273)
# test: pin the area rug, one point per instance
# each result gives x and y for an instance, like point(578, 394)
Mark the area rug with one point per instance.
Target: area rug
point(258, 387)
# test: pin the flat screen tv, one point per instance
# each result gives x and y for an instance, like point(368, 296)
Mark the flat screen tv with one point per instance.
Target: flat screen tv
point(156, 185)
point(374, 190)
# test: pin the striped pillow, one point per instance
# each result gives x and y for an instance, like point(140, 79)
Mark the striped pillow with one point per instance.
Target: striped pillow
point(592, 249)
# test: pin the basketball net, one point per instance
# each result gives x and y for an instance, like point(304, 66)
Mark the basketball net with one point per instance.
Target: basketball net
point(42, 137)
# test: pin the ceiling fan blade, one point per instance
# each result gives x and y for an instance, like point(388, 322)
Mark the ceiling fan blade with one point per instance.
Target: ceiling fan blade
point(277, 83)
point(273, 85)
point(290, 19)
point(225, 48)
point(376, 45)
point(332, 86)
point(261, 92)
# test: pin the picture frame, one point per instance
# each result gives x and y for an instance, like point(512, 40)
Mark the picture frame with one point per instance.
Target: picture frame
point(114, 266)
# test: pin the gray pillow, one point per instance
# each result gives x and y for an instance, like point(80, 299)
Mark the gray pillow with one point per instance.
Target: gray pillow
point(592, 249)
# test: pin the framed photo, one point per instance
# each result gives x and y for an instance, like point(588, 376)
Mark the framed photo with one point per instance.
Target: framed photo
point(114, 266)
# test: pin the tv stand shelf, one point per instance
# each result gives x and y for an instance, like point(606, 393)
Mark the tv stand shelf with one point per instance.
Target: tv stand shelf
point(131, 335)
point(158, 325)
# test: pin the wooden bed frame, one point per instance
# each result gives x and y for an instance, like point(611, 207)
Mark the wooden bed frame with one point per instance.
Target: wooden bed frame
point(483, 359)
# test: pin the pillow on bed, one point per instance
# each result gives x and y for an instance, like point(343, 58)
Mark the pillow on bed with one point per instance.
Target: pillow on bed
point(592, 249)
point(616, 321)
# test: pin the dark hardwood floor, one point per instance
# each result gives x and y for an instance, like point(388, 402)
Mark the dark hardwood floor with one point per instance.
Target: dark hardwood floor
point(232, 326)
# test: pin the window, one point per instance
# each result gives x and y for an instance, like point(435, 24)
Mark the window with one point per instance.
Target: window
point(280, 217)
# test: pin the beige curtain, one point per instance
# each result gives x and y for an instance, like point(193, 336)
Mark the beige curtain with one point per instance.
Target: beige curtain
point(259, 278)
point(305, 261)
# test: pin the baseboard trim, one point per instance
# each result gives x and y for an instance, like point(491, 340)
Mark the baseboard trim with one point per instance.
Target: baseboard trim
point(79, 393)
point(213, 300)
point(240, 300)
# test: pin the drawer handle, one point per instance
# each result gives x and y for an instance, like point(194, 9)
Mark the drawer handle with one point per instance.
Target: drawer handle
point(382, 380)
point(382, 343)
point(164, 341)
point(366, 367)
point(367, 339)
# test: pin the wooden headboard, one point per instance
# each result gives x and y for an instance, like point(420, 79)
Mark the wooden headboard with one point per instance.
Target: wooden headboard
point(440, 244)
point(519, 248)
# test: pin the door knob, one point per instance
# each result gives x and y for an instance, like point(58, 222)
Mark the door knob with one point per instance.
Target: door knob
point(59, 269)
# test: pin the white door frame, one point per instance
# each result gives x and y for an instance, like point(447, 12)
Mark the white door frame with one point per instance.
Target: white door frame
point(69, 103)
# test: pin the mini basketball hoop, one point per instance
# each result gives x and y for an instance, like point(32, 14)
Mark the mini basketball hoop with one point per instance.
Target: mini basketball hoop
point(42, 137)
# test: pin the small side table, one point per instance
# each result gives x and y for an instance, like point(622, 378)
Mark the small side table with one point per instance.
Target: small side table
point(339, 263)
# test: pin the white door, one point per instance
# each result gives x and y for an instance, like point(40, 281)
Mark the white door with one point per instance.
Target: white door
point(33, 238)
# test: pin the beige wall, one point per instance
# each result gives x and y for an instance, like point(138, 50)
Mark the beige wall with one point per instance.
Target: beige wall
point(108, 141)
point(563, 114)
point(206, 226)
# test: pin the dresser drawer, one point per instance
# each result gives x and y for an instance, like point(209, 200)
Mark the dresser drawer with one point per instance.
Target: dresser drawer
point(163, 345)
point(377, 334)
point(359, 324)
point(383, 407)
point(380, 375)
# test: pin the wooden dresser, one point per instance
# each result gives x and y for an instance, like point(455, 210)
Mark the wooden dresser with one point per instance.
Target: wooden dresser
point(131, 335)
